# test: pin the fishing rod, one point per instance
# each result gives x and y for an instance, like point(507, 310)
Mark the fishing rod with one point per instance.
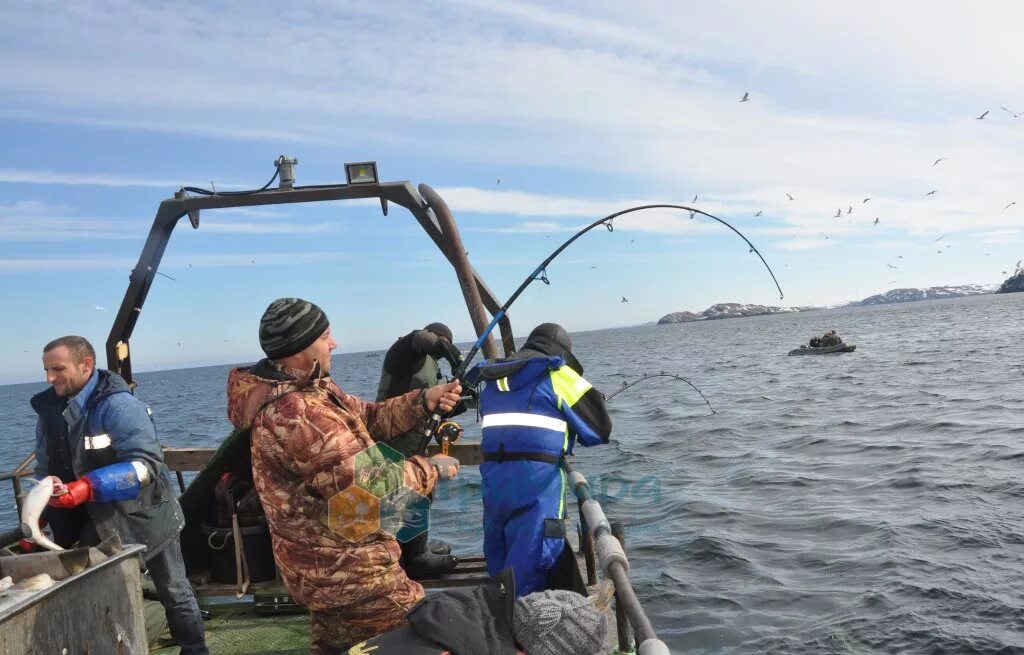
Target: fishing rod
point(663, 374)
point(540, 273)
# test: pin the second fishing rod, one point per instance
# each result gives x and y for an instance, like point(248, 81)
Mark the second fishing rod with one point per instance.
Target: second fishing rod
point(540, 273)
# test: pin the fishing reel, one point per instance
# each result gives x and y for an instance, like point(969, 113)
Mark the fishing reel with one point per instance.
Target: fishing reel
point(447, 433)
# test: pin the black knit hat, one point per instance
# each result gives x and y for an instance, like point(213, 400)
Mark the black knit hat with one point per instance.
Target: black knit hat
point(440, 329)
point(289, 326)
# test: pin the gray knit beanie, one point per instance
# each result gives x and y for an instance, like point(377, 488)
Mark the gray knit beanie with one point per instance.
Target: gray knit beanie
point(289, 326)
point(559, 622)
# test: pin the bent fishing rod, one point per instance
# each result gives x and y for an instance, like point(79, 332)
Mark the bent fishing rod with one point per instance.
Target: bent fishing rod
point(663, 374)
point(540, 273)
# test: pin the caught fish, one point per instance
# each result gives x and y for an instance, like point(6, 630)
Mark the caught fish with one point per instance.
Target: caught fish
point(36, 582)
point(32, 509)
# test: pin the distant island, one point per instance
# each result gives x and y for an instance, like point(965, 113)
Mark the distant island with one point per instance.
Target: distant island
point(1014, 283)
point(727, 310)
point(931, 293)
point(736, 310)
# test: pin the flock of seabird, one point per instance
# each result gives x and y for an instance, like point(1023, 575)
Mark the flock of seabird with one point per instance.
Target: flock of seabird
point(849, 209)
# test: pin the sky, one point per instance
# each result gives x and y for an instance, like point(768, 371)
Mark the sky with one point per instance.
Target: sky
point(531, 120)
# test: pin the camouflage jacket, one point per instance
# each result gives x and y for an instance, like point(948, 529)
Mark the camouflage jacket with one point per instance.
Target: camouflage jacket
point(306, 436)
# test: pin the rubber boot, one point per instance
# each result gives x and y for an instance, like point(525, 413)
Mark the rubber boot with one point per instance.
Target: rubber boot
point(419, 562)
point(439, 547)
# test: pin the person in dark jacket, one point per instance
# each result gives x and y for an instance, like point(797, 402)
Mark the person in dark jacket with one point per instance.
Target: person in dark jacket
point(490, 620)
point(98, 444)
point(830, 339)
point(410, 364)
point(535, 405)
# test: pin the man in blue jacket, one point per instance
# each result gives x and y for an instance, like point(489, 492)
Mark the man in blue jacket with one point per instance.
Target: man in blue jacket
point(97, 442)
point(535, 405)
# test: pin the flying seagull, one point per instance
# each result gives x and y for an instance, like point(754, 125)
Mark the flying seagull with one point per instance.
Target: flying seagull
point(941, 238)
point(1012, 113)
point(937, 161)
point(932, 192)
point(890, 266)
point(593, 267)
point(746, 97)
point(790, 197)
point(982, 117)
point(99, 309)
point(624, 299)
point(850, 209)
point(899, 256)
point(876, 220)
point(498, 183)
point(1009, 205)
point(864, 201)
point(839, 212)
point(757, 214)
point(694, 198)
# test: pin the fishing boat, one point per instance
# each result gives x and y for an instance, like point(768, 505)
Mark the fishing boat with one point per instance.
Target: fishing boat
point(827, 350)
point(232, 570)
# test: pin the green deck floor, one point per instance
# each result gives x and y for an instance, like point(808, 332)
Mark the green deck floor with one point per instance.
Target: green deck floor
point(235, 630)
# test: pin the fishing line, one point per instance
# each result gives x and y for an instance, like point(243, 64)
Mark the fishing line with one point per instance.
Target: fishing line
point(540, 273)
point(663, 374)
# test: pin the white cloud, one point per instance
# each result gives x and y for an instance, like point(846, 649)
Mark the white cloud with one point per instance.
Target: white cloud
point(847, 102)
point(266, 228)
point(1002, 236)
point(171, 262)
point(32, 220)
point(13, 176)
point(806, 244)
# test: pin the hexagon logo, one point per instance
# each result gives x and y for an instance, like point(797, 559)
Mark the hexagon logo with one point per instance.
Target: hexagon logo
point(405, 514)
point(353, 513)
point(379, 469)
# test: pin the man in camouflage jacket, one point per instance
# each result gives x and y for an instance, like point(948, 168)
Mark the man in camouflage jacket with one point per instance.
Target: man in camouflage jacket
point(310, 442)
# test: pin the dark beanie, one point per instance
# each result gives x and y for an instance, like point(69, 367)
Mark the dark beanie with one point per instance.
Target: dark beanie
point(440, 329)
point(551, 339)
point(289, 326)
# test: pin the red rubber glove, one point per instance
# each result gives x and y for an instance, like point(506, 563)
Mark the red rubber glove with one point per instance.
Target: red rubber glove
point(28, 546)
point(79, 491)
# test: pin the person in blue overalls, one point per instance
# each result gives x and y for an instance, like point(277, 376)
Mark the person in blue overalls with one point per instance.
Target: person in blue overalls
point(535, 405)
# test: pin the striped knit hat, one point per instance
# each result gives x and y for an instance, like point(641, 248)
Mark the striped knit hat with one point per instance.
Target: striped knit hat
point(554, 622)
point(289, 326)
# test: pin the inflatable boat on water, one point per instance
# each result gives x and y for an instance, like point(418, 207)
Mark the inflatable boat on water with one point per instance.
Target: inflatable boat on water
point(828, 350)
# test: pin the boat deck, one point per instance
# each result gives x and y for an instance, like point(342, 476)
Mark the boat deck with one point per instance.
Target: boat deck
point(266, 616)
point(234, 626)
point(235, 629)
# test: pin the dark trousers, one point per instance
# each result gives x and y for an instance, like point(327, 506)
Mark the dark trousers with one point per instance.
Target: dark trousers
point(167, 568)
